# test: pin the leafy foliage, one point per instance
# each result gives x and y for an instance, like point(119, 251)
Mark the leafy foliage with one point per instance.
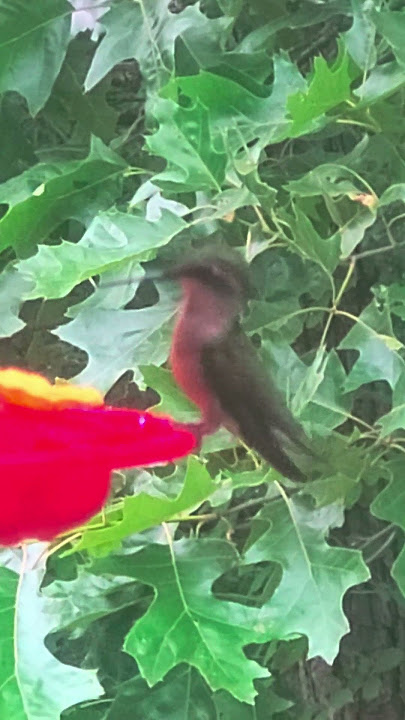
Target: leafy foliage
point(214, 588)
point(184, 623)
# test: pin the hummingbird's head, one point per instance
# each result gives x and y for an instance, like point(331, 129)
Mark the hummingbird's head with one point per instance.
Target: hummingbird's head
point(222, 271)
point(215, 284)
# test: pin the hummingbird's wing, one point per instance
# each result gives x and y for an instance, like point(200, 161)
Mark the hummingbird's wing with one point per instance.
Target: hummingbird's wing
point(248, 397)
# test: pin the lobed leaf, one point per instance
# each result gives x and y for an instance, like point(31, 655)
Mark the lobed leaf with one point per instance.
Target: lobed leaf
point(389, 505)
point(315, 577)
point(185, 622)
point(144, 511)
point(40, 198)
point(111, 239)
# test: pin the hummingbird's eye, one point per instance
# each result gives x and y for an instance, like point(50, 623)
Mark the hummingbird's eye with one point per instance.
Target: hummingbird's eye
point(217, 271)
point(221, 275)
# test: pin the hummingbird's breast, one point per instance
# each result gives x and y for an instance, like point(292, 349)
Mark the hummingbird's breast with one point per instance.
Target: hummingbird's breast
point(200, 322)
point(185, 360)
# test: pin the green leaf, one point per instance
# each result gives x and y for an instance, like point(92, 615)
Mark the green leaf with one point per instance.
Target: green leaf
point(287, 82)
point(389, 505)
point(79, 602)
point(393, 296)
point(328, 179)
point(315, 577)
point(11, 701)
point(343, 465)
point(14, 289)
point(310, 245)
point(352, 233)
point(334, 181)
point(33, 35)
point(394, 193)
point(328, 88)
point(373, 338)
point(391, 25)
point(146, 30)
point(183, 693)
point(111, 238)
point(236, 113)
point(359, 40)
point(143, 511)
point(27, 618)
point(142, 336)
point(173, 402)
point(227, 201)
point(282, 278)
point(284, 315)
point(333, 488)
point(185, 622)
point(232, 480)
point(310, 383)
point(267, 704)
point(42, 197)
point(395, 419)
point(15, 147)
point(383, 81)
point(70, 110)
point(328, 406)
point(194, 161)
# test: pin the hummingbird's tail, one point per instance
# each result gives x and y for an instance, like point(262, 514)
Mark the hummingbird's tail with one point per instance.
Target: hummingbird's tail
point(271, 445)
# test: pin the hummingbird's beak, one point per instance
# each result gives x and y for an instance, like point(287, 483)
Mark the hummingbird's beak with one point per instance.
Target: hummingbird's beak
point(147, 275)
point(154, 275)
point(172, 273)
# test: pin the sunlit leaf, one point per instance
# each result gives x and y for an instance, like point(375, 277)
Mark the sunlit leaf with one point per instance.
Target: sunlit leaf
point(236, 113)
point(329, 86)
point(143, 511)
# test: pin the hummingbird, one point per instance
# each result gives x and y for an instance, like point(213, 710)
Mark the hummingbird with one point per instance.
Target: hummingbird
point(216, 365)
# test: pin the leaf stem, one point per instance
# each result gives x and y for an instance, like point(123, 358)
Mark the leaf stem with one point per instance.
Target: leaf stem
point(334, 309)
point(377, 535)
point(23, 570)
point(377, 251)
point(381, 549)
